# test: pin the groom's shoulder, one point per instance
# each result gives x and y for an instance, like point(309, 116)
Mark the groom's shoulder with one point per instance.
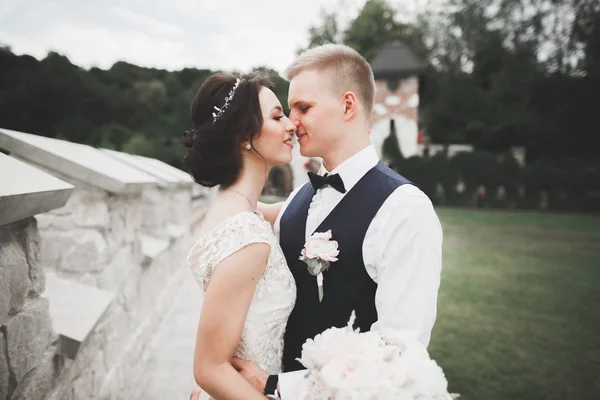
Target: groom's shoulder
point(405, 190)
point(391, 175)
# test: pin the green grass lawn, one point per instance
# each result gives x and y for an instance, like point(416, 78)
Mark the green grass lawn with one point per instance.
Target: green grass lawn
point(519, 305)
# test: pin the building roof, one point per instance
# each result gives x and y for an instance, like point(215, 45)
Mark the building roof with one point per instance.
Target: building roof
point(396, 60)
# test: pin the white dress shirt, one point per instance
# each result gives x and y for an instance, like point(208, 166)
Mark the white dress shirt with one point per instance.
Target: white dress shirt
point(402, 252)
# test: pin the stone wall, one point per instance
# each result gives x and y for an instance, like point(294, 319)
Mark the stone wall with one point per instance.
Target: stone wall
point(96, 235)
point(98, 239)
point(130, 245)
point(86, 283)
point(95, 240)
point(27, 344)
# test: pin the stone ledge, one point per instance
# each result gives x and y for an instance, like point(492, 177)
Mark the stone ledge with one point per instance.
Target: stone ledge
point(151, 167)
point(75, 310)
point(152, 247)
point(175, 231)
point(178, 174)
point(27, 191)
point(77, 161)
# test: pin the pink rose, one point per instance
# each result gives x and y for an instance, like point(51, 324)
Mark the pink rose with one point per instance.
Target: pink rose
point(320, 246)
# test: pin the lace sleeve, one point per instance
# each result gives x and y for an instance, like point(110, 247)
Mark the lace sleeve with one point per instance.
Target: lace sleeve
point(224, 240)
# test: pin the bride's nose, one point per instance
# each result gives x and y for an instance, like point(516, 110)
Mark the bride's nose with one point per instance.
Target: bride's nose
point(290, 127)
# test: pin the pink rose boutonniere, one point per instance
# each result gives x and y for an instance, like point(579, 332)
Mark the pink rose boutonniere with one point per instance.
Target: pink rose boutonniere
point(318, 253)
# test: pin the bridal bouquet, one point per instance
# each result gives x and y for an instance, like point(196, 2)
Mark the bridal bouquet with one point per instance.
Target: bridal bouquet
point(344, 364)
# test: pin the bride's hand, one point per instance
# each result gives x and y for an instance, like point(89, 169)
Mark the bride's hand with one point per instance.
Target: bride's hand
point(195, 395)
point(251, 372)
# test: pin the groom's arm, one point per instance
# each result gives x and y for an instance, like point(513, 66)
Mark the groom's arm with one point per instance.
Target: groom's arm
point(403, 254)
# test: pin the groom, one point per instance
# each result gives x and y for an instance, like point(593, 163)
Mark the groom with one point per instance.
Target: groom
point(389, 237)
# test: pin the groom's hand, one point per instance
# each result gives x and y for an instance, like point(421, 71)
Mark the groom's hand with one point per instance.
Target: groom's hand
point(253, 374)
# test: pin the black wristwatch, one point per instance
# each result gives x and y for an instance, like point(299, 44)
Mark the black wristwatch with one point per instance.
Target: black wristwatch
point(271, 387)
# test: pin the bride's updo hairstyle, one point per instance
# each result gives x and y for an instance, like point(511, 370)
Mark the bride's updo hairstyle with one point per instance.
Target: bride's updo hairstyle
point(214, 155)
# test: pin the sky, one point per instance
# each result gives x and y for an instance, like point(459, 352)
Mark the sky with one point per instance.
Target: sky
point(169, 34)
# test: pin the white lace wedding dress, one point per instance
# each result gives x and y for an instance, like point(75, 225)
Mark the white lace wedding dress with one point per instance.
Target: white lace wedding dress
point(275, 295)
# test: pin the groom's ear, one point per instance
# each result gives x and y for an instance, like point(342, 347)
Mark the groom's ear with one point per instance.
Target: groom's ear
point(350, 105)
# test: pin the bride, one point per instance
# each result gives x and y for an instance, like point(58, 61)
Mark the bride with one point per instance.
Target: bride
point(240, 132)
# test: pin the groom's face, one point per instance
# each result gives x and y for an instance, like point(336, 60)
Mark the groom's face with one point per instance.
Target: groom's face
point(317, 112)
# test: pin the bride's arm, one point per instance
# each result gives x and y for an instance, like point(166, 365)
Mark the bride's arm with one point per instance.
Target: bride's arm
point(270, 211)
point(222, 319)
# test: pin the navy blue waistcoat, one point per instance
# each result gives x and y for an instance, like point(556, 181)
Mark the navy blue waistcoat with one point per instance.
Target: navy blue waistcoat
point(347, 286)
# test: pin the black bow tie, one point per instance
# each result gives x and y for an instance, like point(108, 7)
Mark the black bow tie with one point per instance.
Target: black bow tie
point(335, 181)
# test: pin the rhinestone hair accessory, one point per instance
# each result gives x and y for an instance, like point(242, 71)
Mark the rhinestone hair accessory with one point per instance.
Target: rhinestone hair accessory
point(220, 111)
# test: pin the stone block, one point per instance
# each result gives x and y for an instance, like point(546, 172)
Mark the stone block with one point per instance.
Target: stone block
point(152, 247)
point(4, 370)
point(14, 276)
point(153, 196)
point(75, 310)
point(28, 337)
point(50, 221)
point(83, 250)
point(115, 335)
point(30, 241)
point(179, 249)
point(5, 294)
point(118, 270)
point(133, 220)
point(98, 373)
point(154, 216)
point(91, 211)
point(38, 382)
point(87, 373)
point(116, 231)
point(52, 248)
point(180, 206)
point(82, 385)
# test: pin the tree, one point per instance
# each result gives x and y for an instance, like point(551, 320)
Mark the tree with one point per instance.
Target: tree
point(586, 32)
point(391, 147)
point(376, 25)
point(327, 31)
point(139, 145)
point(281, 85)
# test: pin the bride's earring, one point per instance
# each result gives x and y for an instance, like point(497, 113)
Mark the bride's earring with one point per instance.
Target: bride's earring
point(248, 146)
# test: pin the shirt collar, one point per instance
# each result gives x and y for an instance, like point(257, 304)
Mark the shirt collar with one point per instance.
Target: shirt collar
point(355, 167)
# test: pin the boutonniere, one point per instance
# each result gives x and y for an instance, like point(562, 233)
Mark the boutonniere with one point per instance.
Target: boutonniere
point(318, 253)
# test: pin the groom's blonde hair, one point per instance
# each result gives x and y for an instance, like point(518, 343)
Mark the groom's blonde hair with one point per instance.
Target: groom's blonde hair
point(347, 70)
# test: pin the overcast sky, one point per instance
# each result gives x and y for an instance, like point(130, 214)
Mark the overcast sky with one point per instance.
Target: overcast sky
point(170, 34)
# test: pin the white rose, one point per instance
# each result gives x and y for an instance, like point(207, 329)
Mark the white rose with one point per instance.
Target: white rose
point(320, 246)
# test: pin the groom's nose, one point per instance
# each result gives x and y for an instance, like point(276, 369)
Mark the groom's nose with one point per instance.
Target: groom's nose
point(294, 118)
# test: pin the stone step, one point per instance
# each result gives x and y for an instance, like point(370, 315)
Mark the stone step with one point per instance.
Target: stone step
point(75, 311)
point(152, 247)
